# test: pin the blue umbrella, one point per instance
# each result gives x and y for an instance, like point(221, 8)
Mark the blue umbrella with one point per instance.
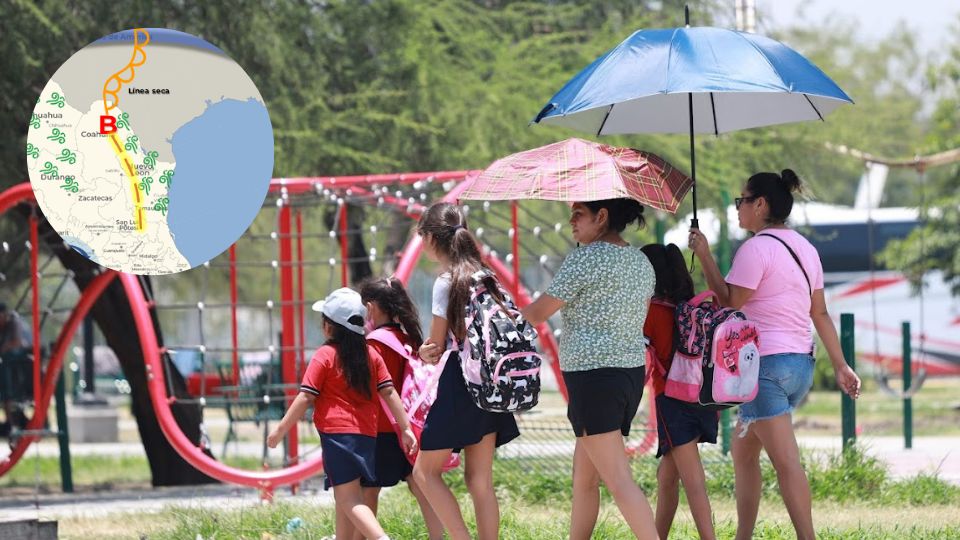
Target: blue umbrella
point(696, 80)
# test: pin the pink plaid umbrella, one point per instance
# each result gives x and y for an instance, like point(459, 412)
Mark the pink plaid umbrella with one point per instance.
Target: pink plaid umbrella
point(578, 170)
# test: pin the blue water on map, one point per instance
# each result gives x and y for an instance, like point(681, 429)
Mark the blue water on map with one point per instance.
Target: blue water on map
point(224, 161)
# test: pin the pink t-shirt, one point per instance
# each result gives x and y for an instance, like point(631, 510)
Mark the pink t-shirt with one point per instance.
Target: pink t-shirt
point(780, 304)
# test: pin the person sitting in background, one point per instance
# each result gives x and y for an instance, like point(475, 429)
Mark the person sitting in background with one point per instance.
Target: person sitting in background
point(15, 343)
point(14, 336)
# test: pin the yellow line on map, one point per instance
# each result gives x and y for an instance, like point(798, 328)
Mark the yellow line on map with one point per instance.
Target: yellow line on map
point(126, 164)
point(131, 173)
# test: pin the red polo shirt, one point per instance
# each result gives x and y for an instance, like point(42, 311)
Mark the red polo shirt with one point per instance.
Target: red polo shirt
point(395, 365)
point(338, 408)
point(659, 328)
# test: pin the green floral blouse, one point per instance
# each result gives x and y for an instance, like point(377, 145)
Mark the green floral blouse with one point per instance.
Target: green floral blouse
point(607, 290)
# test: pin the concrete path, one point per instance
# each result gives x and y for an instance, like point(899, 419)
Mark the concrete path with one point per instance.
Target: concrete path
point(60, 505)
point(929, 455)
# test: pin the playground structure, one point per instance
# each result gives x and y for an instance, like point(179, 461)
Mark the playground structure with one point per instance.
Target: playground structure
point(248, 334)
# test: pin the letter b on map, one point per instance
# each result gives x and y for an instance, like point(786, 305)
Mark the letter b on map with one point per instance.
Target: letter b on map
point(108, 124)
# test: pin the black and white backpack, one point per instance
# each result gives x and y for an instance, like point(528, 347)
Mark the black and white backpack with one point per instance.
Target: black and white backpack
point(501, 366)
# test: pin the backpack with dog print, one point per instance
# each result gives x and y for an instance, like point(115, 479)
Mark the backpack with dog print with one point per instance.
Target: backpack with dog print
point(501, 366)
point(716, 362)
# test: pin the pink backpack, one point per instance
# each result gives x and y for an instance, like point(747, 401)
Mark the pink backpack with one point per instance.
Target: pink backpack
point(716, 362)
point(418, 392)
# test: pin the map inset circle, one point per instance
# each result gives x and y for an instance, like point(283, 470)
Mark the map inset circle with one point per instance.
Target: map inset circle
point(150, 151)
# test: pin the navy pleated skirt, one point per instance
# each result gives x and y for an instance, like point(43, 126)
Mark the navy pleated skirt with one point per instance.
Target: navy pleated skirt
point(455, 421)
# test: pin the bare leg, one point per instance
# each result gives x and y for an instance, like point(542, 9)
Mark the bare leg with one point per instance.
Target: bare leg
point(668, 494)
point(371, 496)
point(430, 518)
point(349, 497)
point(609, 456)
point(686, 458)
point(586, 495)
point(778, 440)
point(478, 476)
point(747, 480)
point(344, 527)
point(428, 473)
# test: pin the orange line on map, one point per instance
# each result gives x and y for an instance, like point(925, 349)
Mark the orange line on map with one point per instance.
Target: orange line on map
point(118, 76)
point(141, 37)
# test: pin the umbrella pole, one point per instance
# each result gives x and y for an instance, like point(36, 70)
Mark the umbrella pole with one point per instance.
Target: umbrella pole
point(694, 223)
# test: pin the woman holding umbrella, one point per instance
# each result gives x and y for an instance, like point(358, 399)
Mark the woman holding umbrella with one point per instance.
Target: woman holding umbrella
point(602, 291)
point(776, 279)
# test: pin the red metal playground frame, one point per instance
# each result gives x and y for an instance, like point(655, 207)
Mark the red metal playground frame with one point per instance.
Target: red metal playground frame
point(291, 312)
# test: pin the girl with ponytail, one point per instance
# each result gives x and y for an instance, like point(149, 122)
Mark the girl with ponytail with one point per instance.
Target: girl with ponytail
point(454, 421)
point(776, 279)
point(680, 426)
point(390, 308)
point(602, 290)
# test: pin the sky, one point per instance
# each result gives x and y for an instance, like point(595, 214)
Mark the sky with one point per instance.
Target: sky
point(931, 20)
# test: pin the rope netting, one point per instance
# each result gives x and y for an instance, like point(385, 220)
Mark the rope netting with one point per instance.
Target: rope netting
point(240, 330)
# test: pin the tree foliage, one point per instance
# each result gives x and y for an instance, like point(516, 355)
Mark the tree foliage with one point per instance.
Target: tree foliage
point(936, 245)
point(416, 85)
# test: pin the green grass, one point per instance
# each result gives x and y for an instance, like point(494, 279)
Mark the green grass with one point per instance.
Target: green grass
point(854, 476)
point(96, 472)
point(853, 498)
point(936, 411)
point(92, 472)
point(520, 521)
point(833, 477)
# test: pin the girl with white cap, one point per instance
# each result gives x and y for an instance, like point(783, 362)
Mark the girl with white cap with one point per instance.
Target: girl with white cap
point(341, 382)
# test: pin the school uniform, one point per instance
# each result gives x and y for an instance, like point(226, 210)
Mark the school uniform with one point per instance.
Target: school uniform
point(678, 422)
point(345, 419)
point(455, 421)
point(392, 464)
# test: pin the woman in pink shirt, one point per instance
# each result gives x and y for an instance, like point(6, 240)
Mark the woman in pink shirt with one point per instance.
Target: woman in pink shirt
point(777, 281)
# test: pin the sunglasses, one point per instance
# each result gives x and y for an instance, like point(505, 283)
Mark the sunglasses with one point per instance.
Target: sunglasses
point(740, 200)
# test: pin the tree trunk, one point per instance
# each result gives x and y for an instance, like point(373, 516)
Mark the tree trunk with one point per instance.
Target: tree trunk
point(359, 262)
point(115, 319)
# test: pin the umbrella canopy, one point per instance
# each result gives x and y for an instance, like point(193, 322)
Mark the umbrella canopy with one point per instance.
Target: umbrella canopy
point(737, 81)
point(579, 170)
point(693, 79)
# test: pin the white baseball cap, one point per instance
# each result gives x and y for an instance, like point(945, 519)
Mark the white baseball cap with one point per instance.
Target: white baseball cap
point(341, 305)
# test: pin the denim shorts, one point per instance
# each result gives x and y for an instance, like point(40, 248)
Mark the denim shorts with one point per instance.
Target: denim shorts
point(785, 378)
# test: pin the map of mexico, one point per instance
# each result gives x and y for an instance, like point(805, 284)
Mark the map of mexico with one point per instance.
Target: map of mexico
point(150, 151)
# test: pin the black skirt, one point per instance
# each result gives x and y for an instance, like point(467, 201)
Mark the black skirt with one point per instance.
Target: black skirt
point(392, 464)
point(455, 421)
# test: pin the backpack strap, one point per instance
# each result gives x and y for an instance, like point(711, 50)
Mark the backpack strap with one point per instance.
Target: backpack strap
point(655, 358)
point(795, 258)
point(703, 296)
point(388, 338)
